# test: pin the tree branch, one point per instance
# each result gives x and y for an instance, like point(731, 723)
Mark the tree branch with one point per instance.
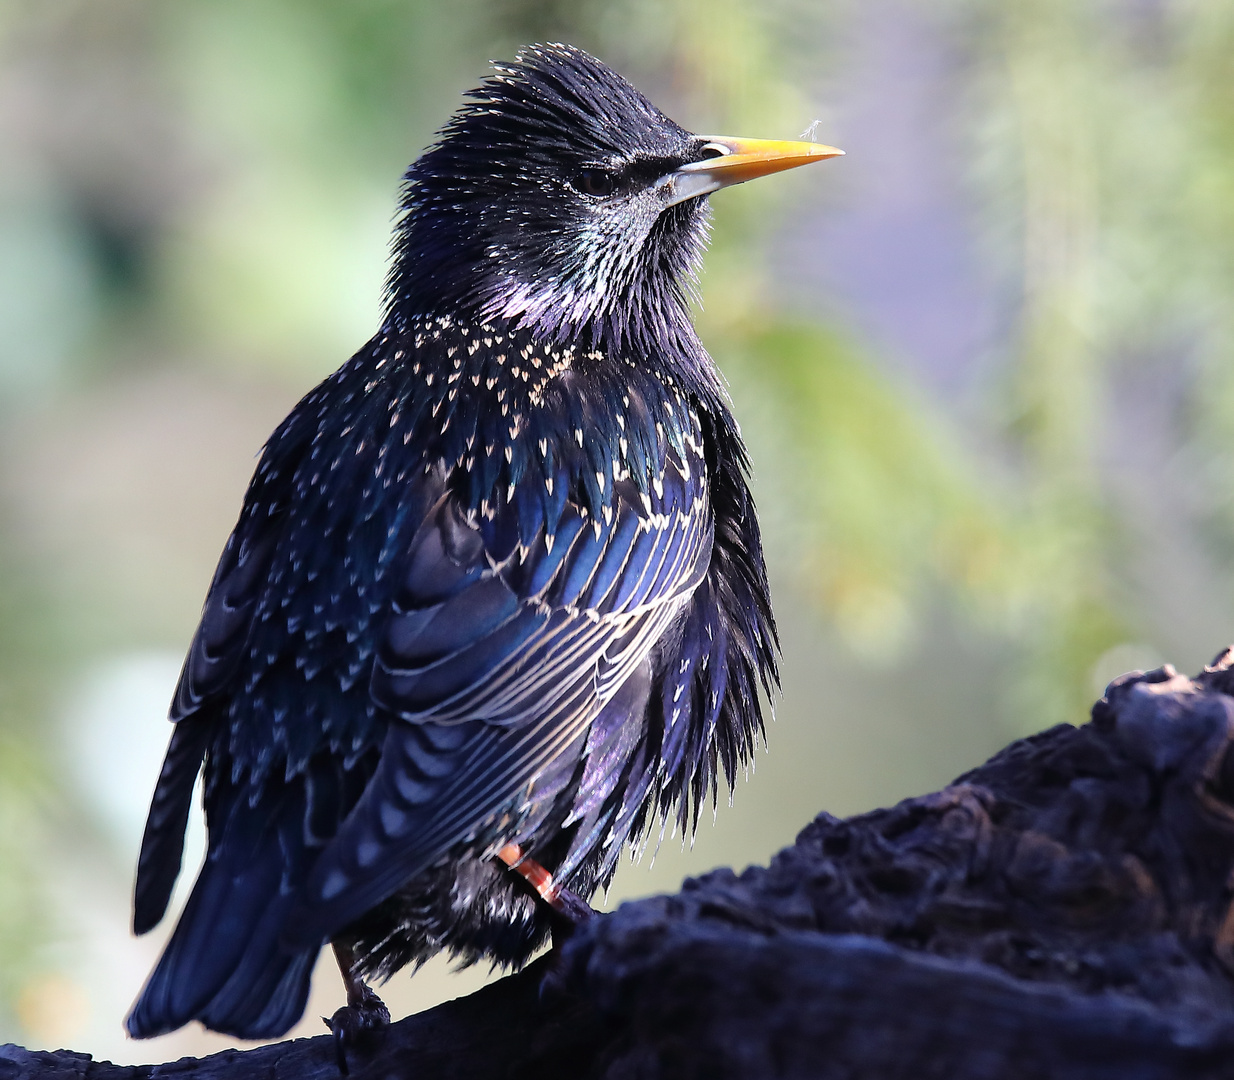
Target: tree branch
point(1062, 911)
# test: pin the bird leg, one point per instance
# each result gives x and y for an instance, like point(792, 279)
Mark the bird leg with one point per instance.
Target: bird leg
point(364, 1011)
point(570, 909)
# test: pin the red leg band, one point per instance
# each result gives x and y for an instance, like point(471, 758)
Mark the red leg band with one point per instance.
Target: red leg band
point(531, 871)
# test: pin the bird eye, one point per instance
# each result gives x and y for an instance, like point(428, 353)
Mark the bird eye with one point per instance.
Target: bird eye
point(595, 182)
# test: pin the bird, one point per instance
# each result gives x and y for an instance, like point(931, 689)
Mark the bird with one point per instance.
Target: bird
point(496, 601)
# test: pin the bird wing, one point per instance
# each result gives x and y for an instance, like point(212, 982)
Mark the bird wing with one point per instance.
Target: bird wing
point(217, 648)
point(497, 665)
point(214, 657)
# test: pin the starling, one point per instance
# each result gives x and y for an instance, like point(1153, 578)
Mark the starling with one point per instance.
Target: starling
point(496, 599)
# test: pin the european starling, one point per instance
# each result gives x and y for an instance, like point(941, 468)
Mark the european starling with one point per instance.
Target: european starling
point(496, 598)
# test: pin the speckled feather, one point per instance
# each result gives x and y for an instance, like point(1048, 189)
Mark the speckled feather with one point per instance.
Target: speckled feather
point(498, 579)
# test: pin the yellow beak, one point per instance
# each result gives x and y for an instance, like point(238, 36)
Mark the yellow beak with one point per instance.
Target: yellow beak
point(734, 162)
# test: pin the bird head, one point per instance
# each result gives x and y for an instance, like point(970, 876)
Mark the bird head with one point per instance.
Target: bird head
point(560, 198)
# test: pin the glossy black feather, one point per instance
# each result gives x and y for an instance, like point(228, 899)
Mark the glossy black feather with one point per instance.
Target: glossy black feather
point(162, 848)
point(498, 579)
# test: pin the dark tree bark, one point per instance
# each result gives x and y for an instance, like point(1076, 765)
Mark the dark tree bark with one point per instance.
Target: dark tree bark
point(1063, 911)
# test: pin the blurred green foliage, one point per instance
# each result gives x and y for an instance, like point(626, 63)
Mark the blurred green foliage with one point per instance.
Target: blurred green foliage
point(194, 187)
point(27, 793)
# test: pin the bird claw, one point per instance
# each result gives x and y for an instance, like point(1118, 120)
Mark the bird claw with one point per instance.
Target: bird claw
point(364, 1013)
point(570, 911)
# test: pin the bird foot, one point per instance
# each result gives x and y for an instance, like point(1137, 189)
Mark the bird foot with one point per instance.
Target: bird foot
point(363, 1014)
point(570, 911)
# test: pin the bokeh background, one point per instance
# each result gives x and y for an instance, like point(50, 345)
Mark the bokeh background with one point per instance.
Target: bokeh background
point(983, 365)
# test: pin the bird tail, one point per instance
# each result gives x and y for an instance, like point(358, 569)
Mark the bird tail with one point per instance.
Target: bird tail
point(224, 964)
point(162, 846)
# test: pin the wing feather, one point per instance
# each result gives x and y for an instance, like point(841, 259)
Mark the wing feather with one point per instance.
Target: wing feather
point(518, 657)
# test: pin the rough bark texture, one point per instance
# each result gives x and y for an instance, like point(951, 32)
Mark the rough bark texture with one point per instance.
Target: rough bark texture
point(1062, 911)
